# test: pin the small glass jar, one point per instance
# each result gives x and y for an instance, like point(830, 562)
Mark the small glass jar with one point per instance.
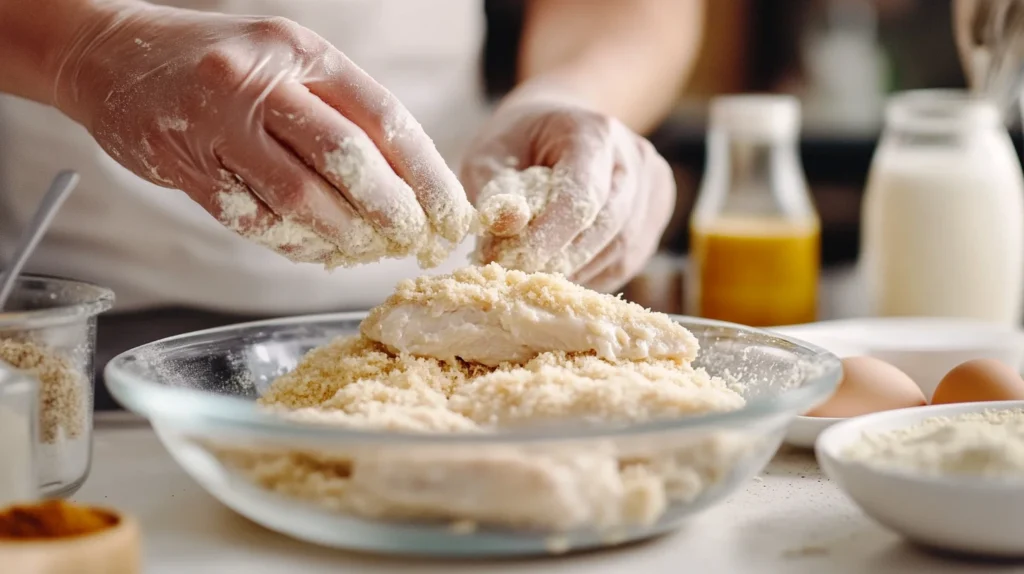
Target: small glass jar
point(754, 232)
point(943, 214)
point(19, 416)
point(49, 332)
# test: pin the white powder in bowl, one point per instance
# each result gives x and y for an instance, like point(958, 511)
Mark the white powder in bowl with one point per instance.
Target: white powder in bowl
point(986, 444)
point(17, 479)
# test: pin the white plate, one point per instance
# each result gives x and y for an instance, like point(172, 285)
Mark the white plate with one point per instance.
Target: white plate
point(962, 514)
point(925, 348)
point(804, 431)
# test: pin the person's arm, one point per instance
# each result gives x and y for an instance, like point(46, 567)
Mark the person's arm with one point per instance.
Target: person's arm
point(34, 36)
point(262, 122)
point(624, 59)
point(592, 73)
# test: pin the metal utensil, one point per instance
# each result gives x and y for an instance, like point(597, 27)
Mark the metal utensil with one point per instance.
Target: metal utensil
point(990, 39)
point(60, 188)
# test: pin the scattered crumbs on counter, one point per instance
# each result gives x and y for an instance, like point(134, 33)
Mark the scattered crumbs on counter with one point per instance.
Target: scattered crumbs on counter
point(758, 479)
point(817, 546)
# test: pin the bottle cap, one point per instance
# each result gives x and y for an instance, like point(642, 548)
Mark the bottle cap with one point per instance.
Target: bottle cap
point(757, 116)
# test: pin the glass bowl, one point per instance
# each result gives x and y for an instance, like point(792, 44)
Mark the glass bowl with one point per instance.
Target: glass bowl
point(19, 421)
point(199, 392)
point(49, 332)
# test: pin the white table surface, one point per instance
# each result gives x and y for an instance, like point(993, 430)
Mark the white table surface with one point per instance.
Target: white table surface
point(791, 520)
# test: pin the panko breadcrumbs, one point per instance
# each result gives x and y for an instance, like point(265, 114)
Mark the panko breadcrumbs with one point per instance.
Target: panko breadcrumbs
point(356, 382)
point(490, 315)
point(62, 414)
point(364, 384)
point(551, 488)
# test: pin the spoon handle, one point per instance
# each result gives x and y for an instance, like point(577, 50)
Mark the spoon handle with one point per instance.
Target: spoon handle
point(59, 190)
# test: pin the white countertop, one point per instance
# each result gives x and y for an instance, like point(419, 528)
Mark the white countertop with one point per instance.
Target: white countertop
point(792, 520)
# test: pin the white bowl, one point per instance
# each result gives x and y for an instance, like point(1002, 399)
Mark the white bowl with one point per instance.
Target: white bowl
point(980, 516)
point(925, 348)
point(803, 432)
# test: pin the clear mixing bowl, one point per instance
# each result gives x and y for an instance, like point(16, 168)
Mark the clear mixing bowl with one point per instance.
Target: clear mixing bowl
point(49, 331)
point(199, 392)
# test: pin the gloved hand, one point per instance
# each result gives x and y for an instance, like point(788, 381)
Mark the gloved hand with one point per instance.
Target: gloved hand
point(269, 128)
point(610, 195)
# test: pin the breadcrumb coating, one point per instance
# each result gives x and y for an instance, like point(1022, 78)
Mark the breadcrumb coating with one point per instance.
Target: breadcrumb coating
point(491, 315)
point(635, 368)
point(357, 382)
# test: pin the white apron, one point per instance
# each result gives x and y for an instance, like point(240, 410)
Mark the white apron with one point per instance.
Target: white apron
point(154, 247)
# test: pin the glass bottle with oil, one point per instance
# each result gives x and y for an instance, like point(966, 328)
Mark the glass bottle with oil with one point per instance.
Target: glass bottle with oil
point(755, 236)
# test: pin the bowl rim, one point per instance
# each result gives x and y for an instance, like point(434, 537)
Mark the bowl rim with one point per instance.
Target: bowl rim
point(973, 335)
point(841, 434)
point(102, 299)
point(821, 420)
point(158, 402)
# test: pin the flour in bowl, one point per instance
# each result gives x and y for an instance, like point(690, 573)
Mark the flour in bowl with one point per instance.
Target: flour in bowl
point(987, 444)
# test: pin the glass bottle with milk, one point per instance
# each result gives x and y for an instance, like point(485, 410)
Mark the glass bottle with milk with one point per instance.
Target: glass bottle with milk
point(943, 215)
point(755, 240)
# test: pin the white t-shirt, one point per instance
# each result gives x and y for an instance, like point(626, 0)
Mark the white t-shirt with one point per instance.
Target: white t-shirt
point(155, 247)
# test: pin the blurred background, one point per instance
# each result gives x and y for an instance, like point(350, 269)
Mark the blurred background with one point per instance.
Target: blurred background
point(841, 57)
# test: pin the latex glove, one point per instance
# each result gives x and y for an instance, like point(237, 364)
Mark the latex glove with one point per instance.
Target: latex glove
point(611, 194)
point(269, 128)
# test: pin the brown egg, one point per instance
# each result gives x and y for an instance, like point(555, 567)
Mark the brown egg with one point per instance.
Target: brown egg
point(979, 380)
point(870, 385)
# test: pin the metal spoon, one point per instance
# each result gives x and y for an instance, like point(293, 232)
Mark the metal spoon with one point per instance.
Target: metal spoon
point(59, 190)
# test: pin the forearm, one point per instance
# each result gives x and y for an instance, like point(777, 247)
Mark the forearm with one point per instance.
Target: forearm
point(625, 59)
point(36, 36)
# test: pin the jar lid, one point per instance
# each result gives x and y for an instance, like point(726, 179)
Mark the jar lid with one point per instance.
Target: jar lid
point(757, 115)
point(941, 110)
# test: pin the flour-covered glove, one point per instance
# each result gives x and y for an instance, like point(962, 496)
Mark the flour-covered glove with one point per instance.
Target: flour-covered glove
point(269, 128)
point(563, 189)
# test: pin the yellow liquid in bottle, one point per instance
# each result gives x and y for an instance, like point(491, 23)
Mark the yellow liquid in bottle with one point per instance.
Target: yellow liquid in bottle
point(758, 272)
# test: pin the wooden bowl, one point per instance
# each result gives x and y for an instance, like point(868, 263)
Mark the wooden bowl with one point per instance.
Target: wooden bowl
point(114, 548)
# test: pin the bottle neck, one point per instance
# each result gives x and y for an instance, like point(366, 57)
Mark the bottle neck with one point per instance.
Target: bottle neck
point(750, 161)
point(753, 176)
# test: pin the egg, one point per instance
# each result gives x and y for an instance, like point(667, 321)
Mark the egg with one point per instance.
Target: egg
point(979, 380)
point(870, 385)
